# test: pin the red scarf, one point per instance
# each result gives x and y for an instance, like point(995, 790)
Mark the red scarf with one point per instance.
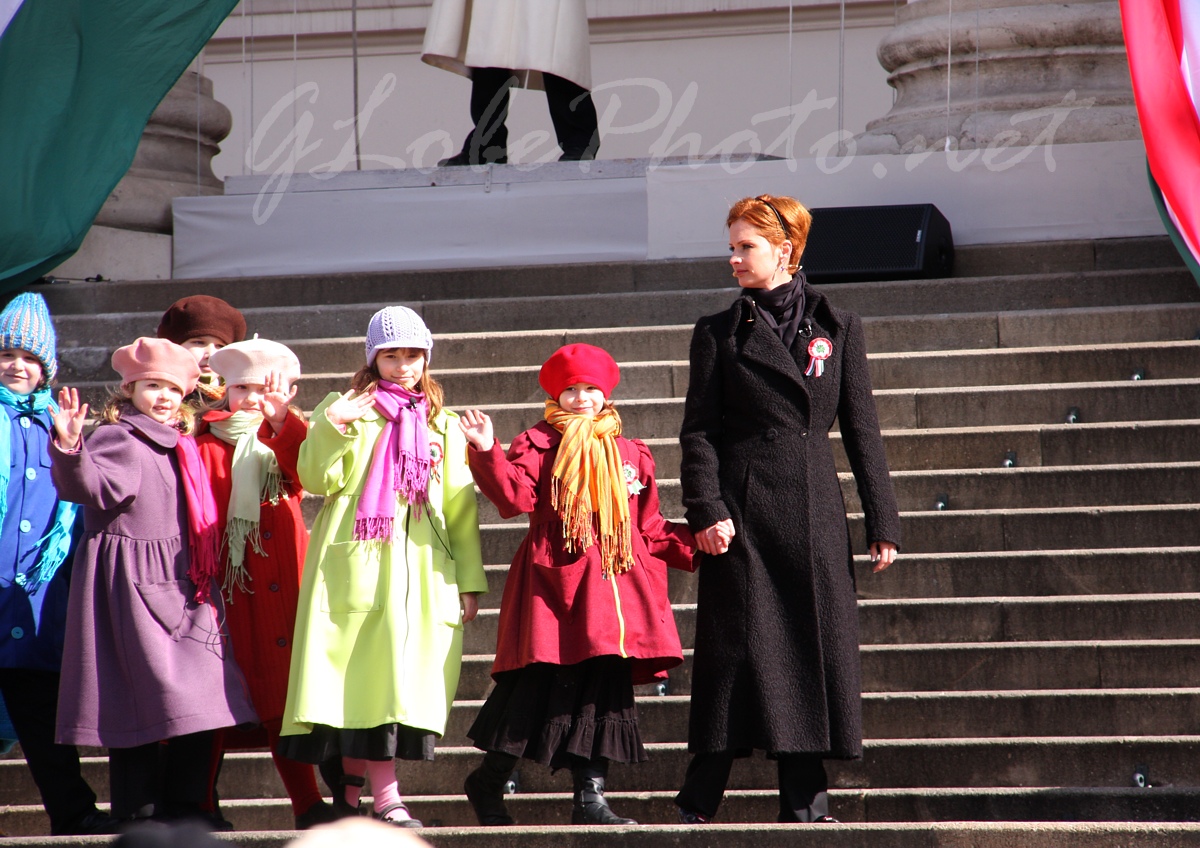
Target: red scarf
point(204, 531)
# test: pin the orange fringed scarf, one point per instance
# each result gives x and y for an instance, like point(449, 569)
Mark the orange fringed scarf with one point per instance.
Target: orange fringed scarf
point(587, 479)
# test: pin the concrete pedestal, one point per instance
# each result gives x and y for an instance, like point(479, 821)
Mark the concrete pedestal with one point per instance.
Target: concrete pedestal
point(979, 72)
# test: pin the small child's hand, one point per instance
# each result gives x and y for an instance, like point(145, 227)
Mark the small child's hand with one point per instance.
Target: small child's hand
point(69, 420)
point(470, 605)
point(715, 540)
point(349, 407)
point(276, 396)
point(477, 427)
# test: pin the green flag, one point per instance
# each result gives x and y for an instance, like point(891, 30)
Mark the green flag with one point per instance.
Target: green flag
point(78, 82)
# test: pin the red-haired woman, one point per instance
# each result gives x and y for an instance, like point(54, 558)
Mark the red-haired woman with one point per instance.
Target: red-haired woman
point(776, 660)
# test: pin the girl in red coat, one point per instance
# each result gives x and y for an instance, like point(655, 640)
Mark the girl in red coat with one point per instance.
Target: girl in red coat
point(249, 446)
point(585, 614)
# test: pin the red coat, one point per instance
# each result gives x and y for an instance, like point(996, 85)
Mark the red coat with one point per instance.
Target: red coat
point(557, 607)
point(261, 621)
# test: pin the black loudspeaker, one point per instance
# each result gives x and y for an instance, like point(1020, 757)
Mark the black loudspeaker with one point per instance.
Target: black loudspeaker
point(849, 244)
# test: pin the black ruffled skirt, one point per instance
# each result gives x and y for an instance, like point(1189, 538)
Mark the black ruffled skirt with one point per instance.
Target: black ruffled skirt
point(385, 742)
point(558, 715)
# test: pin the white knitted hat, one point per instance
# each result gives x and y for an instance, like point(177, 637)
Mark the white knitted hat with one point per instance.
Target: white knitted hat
point(397, 326)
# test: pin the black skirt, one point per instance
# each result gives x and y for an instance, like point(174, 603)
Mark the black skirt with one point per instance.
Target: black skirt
point(385, 742)
point(560, 715)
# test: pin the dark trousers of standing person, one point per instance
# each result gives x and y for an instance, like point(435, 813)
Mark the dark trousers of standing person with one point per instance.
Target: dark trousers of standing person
point(163, 780)
point(572, 112)
point(32, 699)
point(803, 785)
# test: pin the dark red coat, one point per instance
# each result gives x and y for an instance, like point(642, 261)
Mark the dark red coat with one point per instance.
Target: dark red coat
point(557, 606)
point(261, 621)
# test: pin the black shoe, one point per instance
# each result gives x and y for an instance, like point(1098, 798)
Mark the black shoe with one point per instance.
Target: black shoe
point(487, 798)
point(577, 155)
point(591, 807)
point(688, 817)
point(318, 813)
point(94, 823)
point(341, 806)
point(405, 820)
point(826, 820)
point(491, 156)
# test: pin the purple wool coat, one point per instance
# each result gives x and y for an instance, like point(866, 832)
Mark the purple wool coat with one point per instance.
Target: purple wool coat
point(142, 662)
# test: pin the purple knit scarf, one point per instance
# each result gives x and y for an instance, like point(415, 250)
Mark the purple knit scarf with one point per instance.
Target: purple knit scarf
point(399, 463)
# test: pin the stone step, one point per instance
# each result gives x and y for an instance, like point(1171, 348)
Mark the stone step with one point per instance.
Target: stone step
point(964, 667)
point(1032, 834)
point(669, 379)
point(1088, 664)
point(1023, 619)
point(1038, 529)
point(1032, 445)
point(994, 488)
point(100, 327)
point(1152, 570)
point(1021, 444)
point(999, 619)
point(910, 409)
point(1113, 571)
point(905, 333)
point(1077, 804)
point(1014, 762)
point(938, 714)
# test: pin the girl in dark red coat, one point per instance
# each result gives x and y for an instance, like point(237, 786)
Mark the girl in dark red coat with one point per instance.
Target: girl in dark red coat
point(585, 615)
point(249, 447)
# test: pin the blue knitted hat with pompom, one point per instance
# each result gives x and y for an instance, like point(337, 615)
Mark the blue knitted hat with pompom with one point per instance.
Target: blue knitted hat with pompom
point(25, 325)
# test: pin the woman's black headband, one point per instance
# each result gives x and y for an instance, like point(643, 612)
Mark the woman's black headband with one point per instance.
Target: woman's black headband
point(787, 234)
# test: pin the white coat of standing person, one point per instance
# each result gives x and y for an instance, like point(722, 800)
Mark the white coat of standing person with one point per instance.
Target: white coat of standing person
point(536, 44)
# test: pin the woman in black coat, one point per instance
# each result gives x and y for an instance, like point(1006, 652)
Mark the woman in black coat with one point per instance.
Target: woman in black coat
point(776, 663)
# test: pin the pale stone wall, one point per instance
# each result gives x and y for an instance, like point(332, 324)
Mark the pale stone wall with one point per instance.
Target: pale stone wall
point(673, 77)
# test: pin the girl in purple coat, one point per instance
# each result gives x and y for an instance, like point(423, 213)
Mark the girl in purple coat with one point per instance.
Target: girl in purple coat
point(148, 660)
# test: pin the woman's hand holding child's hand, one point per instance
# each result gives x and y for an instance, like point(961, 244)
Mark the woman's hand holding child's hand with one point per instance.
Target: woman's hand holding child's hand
point(276, 396)
point(349, 407)
point(69, 420)
point(715, 540)
point(477, 427)
point(883, 554)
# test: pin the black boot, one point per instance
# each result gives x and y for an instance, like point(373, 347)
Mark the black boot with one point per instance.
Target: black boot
point(591, 807)
point(342, 807)
point(485, 789)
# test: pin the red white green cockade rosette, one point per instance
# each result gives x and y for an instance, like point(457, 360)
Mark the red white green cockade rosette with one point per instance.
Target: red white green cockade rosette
point(819, 350)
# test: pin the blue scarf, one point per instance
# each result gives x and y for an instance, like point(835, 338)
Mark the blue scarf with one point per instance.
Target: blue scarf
point(57, 542)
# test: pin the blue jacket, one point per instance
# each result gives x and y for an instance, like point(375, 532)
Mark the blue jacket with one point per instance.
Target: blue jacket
point(31, 625)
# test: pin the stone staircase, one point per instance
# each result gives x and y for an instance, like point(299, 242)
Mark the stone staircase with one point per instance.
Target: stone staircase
point(1032, 663)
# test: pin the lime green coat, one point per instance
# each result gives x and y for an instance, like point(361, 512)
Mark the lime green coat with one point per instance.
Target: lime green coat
point(379, 628)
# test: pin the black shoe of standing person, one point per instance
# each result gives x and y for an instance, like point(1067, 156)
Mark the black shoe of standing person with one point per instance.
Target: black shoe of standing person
point(590, 805)
point(94, 823)
point(487, 156)
point(318, 813)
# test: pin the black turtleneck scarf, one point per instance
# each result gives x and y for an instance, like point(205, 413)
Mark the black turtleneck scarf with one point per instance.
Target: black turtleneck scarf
point(782, 307)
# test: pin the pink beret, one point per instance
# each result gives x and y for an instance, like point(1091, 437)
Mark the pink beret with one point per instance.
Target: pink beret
point(156, 359)
point(579, 363)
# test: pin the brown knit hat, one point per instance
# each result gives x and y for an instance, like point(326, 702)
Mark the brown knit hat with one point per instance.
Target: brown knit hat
point(202, 315)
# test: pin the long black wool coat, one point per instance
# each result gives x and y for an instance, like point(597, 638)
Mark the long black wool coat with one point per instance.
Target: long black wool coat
point(777, 664)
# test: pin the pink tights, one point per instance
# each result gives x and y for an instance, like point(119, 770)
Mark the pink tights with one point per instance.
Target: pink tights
point(382, 774)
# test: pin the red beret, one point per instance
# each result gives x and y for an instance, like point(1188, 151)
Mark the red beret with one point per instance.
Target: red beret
point(579, 363)
point(202, 315)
